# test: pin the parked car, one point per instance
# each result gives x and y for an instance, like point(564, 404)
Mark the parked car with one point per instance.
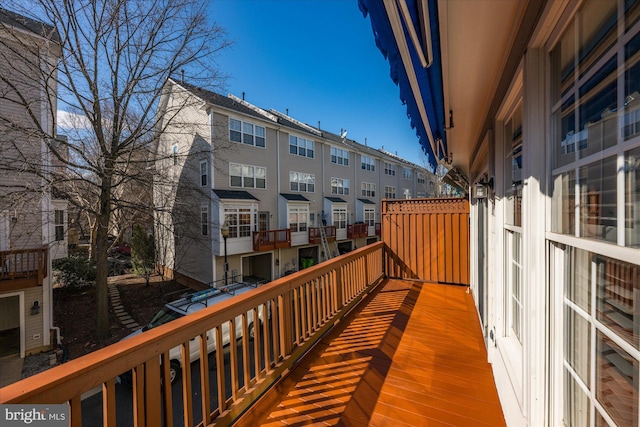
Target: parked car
point(190, 304)
point(123, 249)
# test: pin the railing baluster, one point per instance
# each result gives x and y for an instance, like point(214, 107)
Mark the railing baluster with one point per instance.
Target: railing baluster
point(76, 411)
point(138, 395)
point(233, 359)
point(246, 362)
point(204, 378)
point(109, 403)
point(167, 395)
point(222, 399)
point(187, 396)
point(152, 391)
point(257, 334)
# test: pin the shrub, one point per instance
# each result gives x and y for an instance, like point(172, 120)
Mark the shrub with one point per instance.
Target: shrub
point(74, 271)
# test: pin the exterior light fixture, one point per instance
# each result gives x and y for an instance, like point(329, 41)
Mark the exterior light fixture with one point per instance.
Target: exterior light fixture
point(35, 308)
point(224, 230)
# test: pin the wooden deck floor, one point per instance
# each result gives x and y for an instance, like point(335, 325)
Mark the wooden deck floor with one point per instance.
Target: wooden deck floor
point(412, 355)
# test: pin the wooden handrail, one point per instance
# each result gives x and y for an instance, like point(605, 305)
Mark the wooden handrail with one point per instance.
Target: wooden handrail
point(302, 307)
point(271, 239)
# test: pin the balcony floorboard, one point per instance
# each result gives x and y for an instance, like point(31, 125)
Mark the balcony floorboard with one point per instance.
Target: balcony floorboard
point(412, 354)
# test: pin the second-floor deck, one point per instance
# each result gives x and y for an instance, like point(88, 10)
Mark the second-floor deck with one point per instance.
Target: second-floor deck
point(271, 239)
point(22, 268)
point(337, 343)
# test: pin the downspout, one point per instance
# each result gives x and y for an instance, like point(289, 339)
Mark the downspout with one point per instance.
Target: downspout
point(210, 203)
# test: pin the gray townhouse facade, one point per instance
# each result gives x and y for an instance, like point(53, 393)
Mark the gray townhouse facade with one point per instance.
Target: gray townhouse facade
point(272, 180)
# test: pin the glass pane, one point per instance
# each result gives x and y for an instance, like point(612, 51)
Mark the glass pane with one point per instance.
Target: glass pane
point(618, 286)
point(563, 206)
point(578, 278)
point(234, 124)
point(632, 198)
point(248, 182)
point(598, 207)
point(631, 118)
point(632, 8)
point(260, 172)
point(260, 141)
point(235, 136)
point(598, 104)
point(247, 128)
point(261, 183)
point(576, 403)
point(597, 31)
point(616, 381)
point(577, 343)
point(260, 131)
point(563, 64)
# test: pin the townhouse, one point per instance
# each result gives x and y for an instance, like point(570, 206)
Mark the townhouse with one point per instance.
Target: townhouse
point(270, 183)
point(32, 221)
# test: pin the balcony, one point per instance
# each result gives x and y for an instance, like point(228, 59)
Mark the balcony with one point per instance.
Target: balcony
point(315, 236)
point(338, 346)
point(271, 239)
point(357, 230)
point(22, 268)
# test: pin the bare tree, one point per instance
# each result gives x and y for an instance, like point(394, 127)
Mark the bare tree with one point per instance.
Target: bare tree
point(116, 58)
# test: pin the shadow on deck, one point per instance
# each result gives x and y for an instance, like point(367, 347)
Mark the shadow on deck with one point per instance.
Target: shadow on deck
point(413, 354)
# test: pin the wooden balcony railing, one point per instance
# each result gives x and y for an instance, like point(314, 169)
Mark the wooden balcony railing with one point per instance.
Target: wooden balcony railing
point(271, 239)
point(22, 268)
point(378, 228)
point(301, 306)
point(314, 234)
point(357, 230)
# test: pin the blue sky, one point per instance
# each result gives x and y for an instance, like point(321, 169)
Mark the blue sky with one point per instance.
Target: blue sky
point(317, 58)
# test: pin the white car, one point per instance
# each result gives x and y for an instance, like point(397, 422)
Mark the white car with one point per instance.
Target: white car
point(190, 304)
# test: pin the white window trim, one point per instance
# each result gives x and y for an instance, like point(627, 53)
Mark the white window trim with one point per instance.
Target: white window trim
point(206, 174)
point(242, 166)
point(345, 185)
point(242, 133)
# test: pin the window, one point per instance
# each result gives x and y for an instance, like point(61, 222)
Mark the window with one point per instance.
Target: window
point(370, 216)
point(239, 221)
point(368, 189)
point(59, 224)
point(421, 194)
point(389, 169)
point(204, 220)
point(247, 176)
point(303, 182)
point(406, 173)
point(298, 218)
point(420, 178)
point(513, 168)
point(174, 154)
point(339, 156)
point(368, 163)
point(406, 193)
point(204, 173)
point(339, 186)
point(301, 146)
point(514, 277)
point(339, 216)
point(246, 133)
point(389, 192)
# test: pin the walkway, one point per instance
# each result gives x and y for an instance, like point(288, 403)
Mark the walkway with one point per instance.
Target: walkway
point(413, 355)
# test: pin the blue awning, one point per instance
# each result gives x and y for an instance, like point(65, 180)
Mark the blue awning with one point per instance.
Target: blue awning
point(406, 50)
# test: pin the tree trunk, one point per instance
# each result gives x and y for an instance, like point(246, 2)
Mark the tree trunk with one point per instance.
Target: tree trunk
point(102, 265)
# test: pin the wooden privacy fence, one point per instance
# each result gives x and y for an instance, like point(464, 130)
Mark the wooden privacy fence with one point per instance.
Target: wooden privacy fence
point(427, 239)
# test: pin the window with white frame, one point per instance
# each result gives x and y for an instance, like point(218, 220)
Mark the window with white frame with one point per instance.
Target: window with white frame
point(174, 154)
point(339, 186)
point(301, 146)
point(339, 156)
point(368, 163)
point(239, 220)
point(339, 216)
point(302, 182)
point(298, 218)
point(58, 215)
point(247, 176)
point(389, 169)
point(247, 133)
point(406, 173)
point(389, 192)
point(204, 173)
point(204, 220)
point(370, 216)
point(368, 189)
point(595, 111)
point(420, 178)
